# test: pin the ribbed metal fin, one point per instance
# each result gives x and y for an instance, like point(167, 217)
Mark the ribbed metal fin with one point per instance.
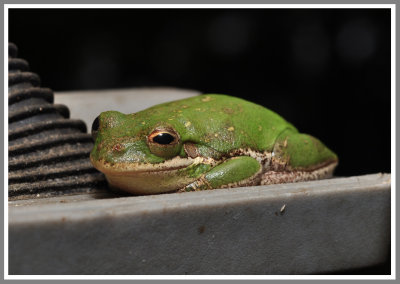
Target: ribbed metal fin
point(48, 152)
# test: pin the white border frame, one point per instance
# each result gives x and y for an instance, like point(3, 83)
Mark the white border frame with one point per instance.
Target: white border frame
point(211, 6)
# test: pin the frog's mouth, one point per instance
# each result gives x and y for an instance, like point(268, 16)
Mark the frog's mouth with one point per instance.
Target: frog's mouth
point(124, 168)
point(141, 178)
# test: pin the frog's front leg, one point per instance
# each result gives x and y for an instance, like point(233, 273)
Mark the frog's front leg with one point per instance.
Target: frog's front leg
point(233, 172)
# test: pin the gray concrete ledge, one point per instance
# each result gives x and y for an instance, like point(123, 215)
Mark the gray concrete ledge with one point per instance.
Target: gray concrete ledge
point(300, 228)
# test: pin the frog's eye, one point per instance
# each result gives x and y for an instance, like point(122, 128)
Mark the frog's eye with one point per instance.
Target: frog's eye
point(163, 137)
point(164, 142)
point(95, 128)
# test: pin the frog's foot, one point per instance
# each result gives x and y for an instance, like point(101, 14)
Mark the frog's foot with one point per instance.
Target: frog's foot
point(234, 172)
point(275, 177)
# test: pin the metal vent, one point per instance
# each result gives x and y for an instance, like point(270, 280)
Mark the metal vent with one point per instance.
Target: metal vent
point(48, 152)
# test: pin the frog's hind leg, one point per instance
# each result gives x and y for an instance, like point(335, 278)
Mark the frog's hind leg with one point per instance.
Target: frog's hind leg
point(299, 157)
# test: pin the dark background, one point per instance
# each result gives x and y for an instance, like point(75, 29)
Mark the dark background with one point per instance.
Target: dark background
point(325, 70)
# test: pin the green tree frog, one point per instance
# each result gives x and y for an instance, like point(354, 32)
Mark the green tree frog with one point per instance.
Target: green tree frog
point(204, 142)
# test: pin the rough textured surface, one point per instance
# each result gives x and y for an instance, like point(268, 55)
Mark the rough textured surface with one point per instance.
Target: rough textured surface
point(301, 228)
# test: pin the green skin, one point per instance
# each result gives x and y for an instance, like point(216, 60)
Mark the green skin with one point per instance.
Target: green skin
point(218, 128)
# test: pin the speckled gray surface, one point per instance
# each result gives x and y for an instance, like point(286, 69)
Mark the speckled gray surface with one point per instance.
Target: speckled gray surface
point(300, 228)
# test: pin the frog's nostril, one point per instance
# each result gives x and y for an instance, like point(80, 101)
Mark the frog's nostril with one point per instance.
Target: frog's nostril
point(96, 124)
point(95, 127)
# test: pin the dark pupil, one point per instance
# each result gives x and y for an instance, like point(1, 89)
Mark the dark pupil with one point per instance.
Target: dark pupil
point(163, 138)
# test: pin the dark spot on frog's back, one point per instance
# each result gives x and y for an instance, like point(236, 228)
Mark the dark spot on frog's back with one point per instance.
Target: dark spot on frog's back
point(228, 110)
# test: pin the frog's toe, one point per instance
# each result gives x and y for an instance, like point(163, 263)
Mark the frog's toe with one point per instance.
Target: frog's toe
point(200, 184)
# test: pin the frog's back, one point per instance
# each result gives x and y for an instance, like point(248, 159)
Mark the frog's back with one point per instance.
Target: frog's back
point(223, 122)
